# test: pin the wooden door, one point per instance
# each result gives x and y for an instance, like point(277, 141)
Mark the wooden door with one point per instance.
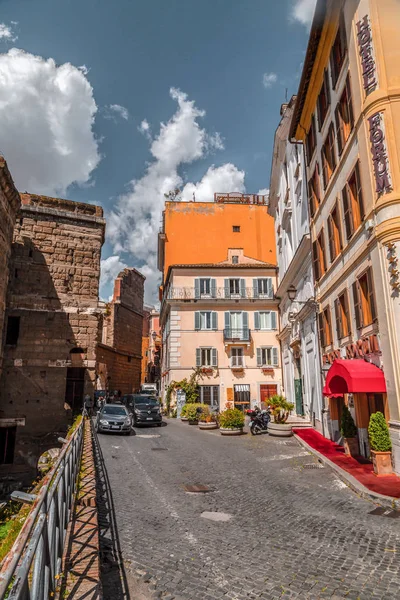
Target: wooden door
point(266, 391)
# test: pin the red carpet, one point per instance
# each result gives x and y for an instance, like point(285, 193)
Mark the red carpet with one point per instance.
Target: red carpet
point(388, 485)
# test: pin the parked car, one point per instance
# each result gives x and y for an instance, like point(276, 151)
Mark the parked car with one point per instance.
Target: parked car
point(114, 417)
point(145, 409)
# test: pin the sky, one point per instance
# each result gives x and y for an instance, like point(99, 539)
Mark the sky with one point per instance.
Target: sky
point(118, 103)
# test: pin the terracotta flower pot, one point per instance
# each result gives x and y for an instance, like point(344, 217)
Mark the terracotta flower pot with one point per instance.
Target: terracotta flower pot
point(280, 429)
point(382, 462)
point(208, 425)
point(351, 446)
point(236, 431)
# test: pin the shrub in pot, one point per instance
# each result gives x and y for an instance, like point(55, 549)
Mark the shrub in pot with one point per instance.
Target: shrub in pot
point(231, 421)
point(380, 443)
point(281, 409)
point(183, 413)
point(208, 419)
point(348, 430)
point(192, 412)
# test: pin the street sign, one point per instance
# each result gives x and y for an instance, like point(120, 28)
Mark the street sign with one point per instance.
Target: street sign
point(180, 401)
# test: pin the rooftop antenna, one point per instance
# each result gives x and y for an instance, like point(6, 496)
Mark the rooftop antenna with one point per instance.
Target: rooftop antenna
point(194, 197)
point(286, 90)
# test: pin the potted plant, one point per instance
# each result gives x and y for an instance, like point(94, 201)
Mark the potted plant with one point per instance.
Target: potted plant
point(192, 412)
point(348, 430)
point(208, 419)
point(231, 421)
point(380, 443)
point(184, 418)
point(281, 409)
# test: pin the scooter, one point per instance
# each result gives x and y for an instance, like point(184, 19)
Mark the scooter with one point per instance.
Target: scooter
point(259, 420)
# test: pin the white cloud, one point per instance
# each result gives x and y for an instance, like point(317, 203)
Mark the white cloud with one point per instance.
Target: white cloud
point(134, 223)
point(145, 129)
point(269, 79)
point(7, 33)
point(46, 117)
point(110, 269)
point(263, 192)
point(303, 11)
point(117, 109)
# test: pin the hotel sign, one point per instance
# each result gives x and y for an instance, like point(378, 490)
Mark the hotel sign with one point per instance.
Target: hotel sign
point(379, 154)
point(359, 349)
point(365, 47)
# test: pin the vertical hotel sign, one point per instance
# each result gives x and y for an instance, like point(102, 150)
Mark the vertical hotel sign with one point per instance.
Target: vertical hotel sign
point(366, 50)
point(379, 154)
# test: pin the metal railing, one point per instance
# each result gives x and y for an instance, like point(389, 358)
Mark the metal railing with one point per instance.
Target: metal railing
point(241, 335)
point(189, 293)
point(32, 567)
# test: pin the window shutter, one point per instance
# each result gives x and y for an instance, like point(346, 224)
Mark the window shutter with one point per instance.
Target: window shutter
point(311, 199)
point(197, 288)
point(197, 320)
point(245, 320)
point(259, 357)
point(316, 261)
point(198, 357)
point(338, 317)
point(339, 133)
point(270, 288)
point(273, 320)
point(214, 320)
point(359, 190)
point(214, 357)
point(257, 320)
point(327, 90)
point(243, 288)
point(323, 251)
point(331, 140)
point(275, 360)
point(227, 320)
point(349, 103)
point(348, 219)
point(371, 296)
point(213, 288)
point(321, 329)
point(255, 288)
point(357, 305)
point(227, 288)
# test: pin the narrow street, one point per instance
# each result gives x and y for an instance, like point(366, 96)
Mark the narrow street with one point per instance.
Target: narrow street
point(293, 529)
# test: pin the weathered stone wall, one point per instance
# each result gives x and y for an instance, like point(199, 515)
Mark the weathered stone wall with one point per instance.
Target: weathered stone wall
point(9, 204)
point(53, 290)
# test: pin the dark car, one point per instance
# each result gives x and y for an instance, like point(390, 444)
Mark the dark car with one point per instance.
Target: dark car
point(115, 418)
point(145, 409)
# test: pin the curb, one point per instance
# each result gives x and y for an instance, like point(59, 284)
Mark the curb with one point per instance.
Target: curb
point(352, 482)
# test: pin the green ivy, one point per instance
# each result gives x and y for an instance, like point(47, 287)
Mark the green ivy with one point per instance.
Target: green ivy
point(378, 433)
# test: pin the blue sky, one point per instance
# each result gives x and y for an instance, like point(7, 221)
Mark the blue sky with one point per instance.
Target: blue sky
point(81, 107)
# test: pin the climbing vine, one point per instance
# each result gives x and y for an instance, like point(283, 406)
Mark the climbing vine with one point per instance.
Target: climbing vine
point(189, 386)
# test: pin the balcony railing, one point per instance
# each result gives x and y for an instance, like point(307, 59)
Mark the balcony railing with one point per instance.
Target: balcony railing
point(189, 293)
point(240, 335)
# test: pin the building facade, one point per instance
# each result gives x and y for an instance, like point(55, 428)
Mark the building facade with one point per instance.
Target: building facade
point(288, 206)
point(348, 116)
point(220, 317)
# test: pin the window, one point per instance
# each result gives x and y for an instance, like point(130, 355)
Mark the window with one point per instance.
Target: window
point(265, 320)
point(206, 357)
point(328, 156)
point(7, 444)
point(241, 396)
point(311, 140)
point(353, 207)
point(344, 117)
point(342, 316)
point(364, 300)
point(262, 288)
point(324, 100)
point(12, 334)
point(209, 394)
point(206, 319)
point(236, 229)
point(237, 325)
point(235, 288)
point(314, 191)
point(205, 288)
point(267, 357)
point(325, 327)
point(237, 357)
point(334, 233)
point(235, 260)
point(338, 53)
point(319, 258)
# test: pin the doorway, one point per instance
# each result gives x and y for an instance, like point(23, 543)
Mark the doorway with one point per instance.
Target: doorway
point(266, 392)
point(74, 388)
point(298, 388)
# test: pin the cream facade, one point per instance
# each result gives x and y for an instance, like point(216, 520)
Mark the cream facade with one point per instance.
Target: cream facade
point(223, 319)
point(349, 109)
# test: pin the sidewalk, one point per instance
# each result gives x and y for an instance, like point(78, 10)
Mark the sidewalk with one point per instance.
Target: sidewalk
point(357, 473)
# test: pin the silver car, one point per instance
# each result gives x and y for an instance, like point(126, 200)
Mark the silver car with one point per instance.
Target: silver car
point(114, 418)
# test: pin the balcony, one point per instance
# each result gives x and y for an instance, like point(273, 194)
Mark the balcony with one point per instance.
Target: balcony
point(237, 335)
point(186, 294)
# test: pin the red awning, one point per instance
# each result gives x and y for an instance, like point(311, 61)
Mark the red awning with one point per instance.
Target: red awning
point(354, 376)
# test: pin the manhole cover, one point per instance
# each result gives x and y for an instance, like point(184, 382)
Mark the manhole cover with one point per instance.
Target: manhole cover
point(197, 489)
point(159, 449)
point(216, 516)
point(313, 466)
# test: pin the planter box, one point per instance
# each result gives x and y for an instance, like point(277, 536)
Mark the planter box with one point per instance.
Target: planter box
point(280, 429)
point(208, 425)
point(193, 422)
point(382, 462)
point(184, 419)
point(238, 431)
point(351, 446)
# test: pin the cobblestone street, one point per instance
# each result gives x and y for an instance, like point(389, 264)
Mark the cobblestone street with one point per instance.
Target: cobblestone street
point(295, 530)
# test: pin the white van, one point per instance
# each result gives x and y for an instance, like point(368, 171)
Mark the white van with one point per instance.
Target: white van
point(148, 388)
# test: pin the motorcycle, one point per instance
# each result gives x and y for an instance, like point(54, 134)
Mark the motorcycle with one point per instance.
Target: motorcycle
point(259, 420)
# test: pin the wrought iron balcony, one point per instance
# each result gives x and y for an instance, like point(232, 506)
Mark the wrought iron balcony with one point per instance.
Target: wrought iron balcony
point(189, 293)
point(237, 335)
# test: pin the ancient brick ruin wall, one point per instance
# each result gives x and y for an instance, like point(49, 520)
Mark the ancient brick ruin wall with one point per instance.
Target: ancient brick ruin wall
point(53, 289)
point(9, 204)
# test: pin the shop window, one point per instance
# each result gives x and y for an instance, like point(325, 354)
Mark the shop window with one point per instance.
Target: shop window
point(353, 206)
point(339, 50)
point(328, 156)
point(324, 100)
point(7, 445)
point(314, 191)
point(342, 315)
point(311, 140)
point(12, 335)
point(334, 233)
point(344, 116)
point(364, 300)
point(242, 396)
point(319, 257)
point(325, 327)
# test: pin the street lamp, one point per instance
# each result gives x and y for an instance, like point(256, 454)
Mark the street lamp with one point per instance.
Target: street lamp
point(292, 293)
point(154, 335)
